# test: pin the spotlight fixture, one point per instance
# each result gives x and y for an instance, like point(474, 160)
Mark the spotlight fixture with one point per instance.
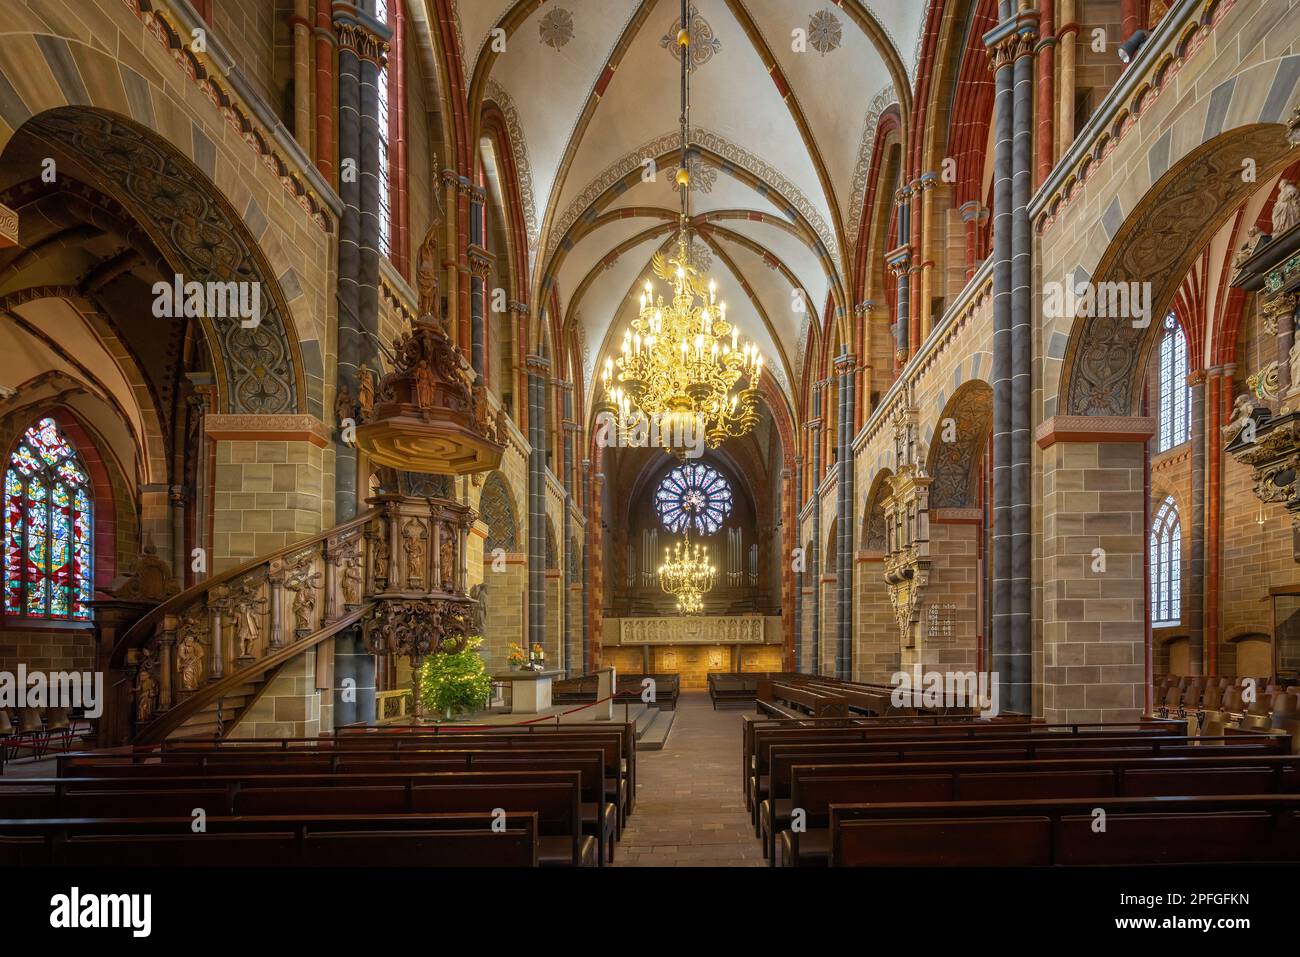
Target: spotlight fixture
point(1129, 48)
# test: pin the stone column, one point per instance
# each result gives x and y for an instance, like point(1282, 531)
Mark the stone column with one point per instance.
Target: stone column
point(1194, 619)
point(1067, 35)
point(1003, 115)
point(480, 267)
point(845, 366)
point(593, 529)
point(570, 435)
point(813, 557)
point(363, 47)
point(1285, 339)
point(1046, 146)
point(795, 540)
point(1020, 698)
point(1011, 47)
point(301, 74)
point(1096, 649)
point(539, 368)
point(899, 264)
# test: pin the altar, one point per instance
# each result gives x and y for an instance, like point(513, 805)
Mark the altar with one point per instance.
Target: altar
point(530, 691)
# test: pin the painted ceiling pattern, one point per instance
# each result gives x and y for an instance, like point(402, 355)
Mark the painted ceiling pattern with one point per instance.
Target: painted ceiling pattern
point(783, 134)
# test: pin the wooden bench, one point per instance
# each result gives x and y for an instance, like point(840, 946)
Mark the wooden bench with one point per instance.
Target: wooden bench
point(334, 756)
point(791, 700)
point(1239, 829)
point(903, 745)
point(732, 687)
point(407, 840)
point(814, 789)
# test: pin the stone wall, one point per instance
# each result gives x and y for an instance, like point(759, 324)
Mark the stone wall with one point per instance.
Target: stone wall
point(875, 632)
point(1094, 623)
point(954, 587)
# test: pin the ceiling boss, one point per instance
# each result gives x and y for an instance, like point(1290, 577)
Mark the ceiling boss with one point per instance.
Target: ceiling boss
point(682, 362)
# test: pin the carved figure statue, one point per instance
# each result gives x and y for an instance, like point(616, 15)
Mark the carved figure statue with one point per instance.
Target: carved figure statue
point(424, 384)
point(189, 660)
point(447, 557)
point(413, 541)
point(1242, 410)
point(1286, 208)
point(1247, 249)
point(246, 624)
point(304, 600)
point(343, 408)
point(365, 392)
point(381, 557)
point(146, 689)
point(426, 275)
point(479, 594)
point(351, 580)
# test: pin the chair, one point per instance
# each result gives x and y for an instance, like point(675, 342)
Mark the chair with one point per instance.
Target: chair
point(31, 731)
point(58, 721)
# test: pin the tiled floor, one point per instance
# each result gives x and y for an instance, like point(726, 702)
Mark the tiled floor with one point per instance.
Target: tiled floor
point(689, 808)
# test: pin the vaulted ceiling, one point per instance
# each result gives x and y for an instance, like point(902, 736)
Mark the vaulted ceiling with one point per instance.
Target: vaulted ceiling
point(785, 98)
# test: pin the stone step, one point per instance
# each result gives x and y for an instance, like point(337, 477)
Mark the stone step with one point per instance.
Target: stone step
point(654, 736)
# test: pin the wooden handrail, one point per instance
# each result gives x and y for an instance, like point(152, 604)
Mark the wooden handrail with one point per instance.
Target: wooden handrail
point(143, 630)
point(163, 725)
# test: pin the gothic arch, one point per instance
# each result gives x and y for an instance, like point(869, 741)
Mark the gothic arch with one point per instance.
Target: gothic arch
point(954, 466)
point(497, 509)
point(873, 517)
point(1158, 242)
point(186, 217)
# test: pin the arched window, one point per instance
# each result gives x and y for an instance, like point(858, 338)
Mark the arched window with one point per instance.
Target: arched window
point(1166, 566)
point(695, 497)
point(48, 528)
point(1175, 393)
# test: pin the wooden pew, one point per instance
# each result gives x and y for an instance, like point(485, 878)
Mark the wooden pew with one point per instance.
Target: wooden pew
point(406, 840)
point(247, 759)
point(1239, 829)
point(904, 746)
point(790, 700)
point(939, 725)
point(815, 789)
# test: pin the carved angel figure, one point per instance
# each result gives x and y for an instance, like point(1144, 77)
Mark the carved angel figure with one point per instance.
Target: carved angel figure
point(1286, 208)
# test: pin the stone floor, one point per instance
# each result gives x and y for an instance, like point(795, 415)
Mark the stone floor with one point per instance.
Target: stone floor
point(689, 808)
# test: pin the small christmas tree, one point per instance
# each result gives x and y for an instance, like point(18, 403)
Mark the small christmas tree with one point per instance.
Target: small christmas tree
point(456, 681)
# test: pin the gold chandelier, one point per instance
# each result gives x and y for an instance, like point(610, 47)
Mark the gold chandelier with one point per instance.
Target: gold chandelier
point(682, 363)
point(687, 574)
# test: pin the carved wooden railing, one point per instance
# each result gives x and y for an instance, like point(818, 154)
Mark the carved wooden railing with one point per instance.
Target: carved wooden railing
point(230, 631)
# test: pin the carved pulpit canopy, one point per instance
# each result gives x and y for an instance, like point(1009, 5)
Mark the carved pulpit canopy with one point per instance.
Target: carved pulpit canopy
point(429, 414)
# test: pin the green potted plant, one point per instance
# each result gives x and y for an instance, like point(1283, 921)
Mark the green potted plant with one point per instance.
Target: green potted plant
point(453, 682)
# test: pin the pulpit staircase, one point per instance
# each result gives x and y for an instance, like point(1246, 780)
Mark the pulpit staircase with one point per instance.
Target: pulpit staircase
point(196, 664)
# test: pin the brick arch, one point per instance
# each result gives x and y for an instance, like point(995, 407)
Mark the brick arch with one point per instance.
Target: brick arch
point(1158, 242)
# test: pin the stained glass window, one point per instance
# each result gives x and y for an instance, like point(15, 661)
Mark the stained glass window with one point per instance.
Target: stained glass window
point(694, 497)
point(47, 528)
point(1175, 393)
point(1166, 566)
